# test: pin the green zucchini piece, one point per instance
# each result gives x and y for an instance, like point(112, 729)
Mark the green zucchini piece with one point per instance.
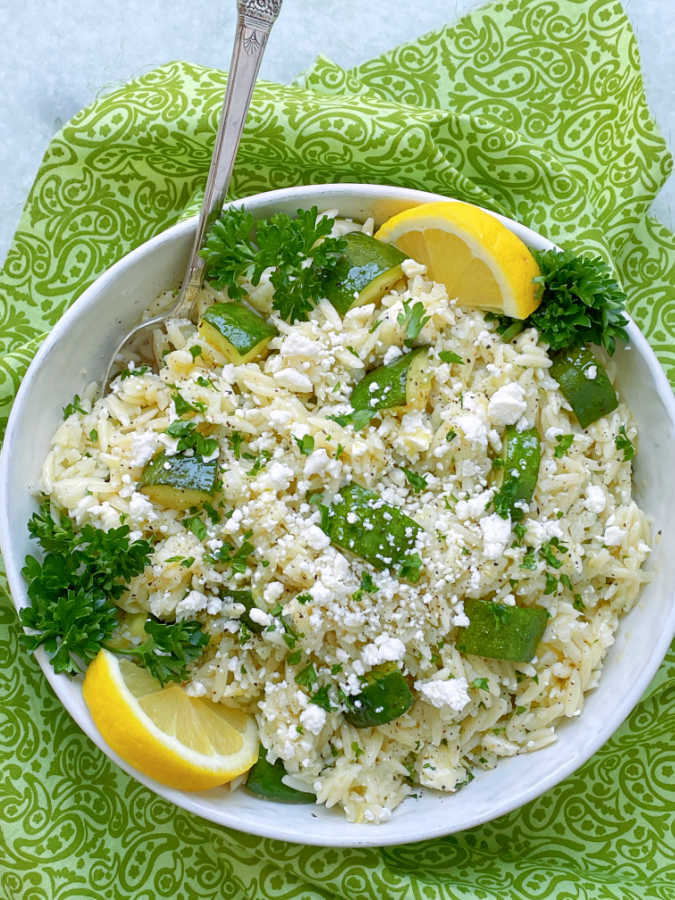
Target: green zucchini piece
point(366, 270)
point(240, 334)
point(497, 631)
point(246, 599)
point(179, 482)
point(361, 522)
point(590, 398)
point(264, 780)
point(401, 383)
point(520, 470)
point(386, 695)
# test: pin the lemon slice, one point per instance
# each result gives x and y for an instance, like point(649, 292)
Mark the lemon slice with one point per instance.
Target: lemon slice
point(185, 742)
point(481, 262)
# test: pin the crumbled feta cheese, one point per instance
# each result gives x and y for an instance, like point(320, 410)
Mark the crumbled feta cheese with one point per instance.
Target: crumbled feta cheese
point(595, 498)
point(273, 591)
point(410, 268)
point(143, 447)
point(313, 718)
point(294, 381)
point(507, 404)
point(496, 533)
point(474, 428)
point(277, 476)
point(452, 693)
point(384, 649)
point(190, 604)
point(591, 373)
point(393, 352)
point(317, 463)
point(316, 538)
point(140, 508)
point(259, 616)
point(474, 507)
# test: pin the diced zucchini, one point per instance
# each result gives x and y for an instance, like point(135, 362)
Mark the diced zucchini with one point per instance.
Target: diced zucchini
point(405, 382)
point(246, 599)
point(520, 470)
point(264, 780)
point(497, 631)
point(590, 398)
point(179, 482)
point(240, 334)
point(361, 522)
point(367, 269)
point(386, 695)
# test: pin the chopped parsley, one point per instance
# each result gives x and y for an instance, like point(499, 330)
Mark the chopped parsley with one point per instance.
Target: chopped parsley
point(75, 406)
point(563, 442)
point(260, 462)
point(412, 320)
point(451, 435)
point(195, 351)
point(183, 406)
point(481, 683)
point(623, 442)
point(307, 677)
point(127, 373)
point(196, 526)
point(93, 435)
point(305, 444)
point(547, 551)
point(190, 439)
point(418, 482)
point(447, 356)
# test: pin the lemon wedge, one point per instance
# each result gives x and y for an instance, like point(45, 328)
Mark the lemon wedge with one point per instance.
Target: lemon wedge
point(185, 742)
point(481, 262)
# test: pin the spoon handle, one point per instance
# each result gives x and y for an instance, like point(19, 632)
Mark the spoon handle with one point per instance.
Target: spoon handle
point(255, 20)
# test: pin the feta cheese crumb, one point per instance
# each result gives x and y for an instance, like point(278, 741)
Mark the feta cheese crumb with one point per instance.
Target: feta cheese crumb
point(452, 693)
point(316, 538)
point(410, 268)
point(260, 616)
point(392, 353)
point(591, 373)
point(496, 533)
point(384, 649)
point(595, 498)
point(313, 718)
point(507, 404)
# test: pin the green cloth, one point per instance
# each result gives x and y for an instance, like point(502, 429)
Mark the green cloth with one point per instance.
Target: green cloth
point(534, 108)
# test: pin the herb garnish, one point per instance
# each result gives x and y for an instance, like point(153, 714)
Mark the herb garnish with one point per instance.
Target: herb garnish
point(563, 442)
point(581, 303)
point(623, 442)
point(412, 320)
point(72, 594)
point(190, 439)
point(286, 244)
point(418, 482)
point(305, 444)
point(447, 356)
point(73, 407)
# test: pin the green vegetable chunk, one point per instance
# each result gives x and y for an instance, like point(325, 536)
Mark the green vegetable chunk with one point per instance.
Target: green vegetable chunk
point(246, 599)
point(590, 397)
point(361, 522)
point(502, 632)
point(386, 695)
point(363, 273)
point(520, 468)
point(240, 334)
point(264, 780)
point(403, 382)
point(179, 482)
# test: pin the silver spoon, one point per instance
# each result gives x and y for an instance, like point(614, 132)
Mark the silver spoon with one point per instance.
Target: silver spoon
point(255, 20)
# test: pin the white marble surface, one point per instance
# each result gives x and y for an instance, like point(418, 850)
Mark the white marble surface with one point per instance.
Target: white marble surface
point(57, 55)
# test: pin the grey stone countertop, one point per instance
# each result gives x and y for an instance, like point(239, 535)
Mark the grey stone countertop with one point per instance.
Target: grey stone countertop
point(58, 55)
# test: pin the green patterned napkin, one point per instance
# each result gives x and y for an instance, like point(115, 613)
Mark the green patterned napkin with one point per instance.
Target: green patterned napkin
point(534, 108)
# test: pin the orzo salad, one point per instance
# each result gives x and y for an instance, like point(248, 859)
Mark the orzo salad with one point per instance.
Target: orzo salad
point(398, 531)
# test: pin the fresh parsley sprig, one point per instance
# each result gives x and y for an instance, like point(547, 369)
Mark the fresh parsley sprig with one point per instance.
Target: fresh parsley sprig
point(299, 251)
point(581, 303)
point(72, 593)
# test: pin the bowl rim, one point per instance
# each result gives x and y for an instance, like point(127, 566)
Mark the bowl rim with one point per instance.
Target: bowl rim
point(186, 800)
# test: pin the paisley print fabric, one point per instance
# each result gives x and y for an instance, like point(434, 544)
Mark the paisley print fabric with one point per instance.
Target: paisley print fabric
point(534, 108)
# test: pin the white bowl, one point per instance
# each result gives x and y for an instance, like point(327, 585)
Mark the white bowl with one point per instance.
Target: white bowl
point(76, 352)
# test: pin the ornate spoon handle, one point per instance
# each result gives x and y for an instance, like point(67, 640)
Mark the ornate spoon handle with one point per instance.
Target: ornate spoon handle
point(255, 20)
